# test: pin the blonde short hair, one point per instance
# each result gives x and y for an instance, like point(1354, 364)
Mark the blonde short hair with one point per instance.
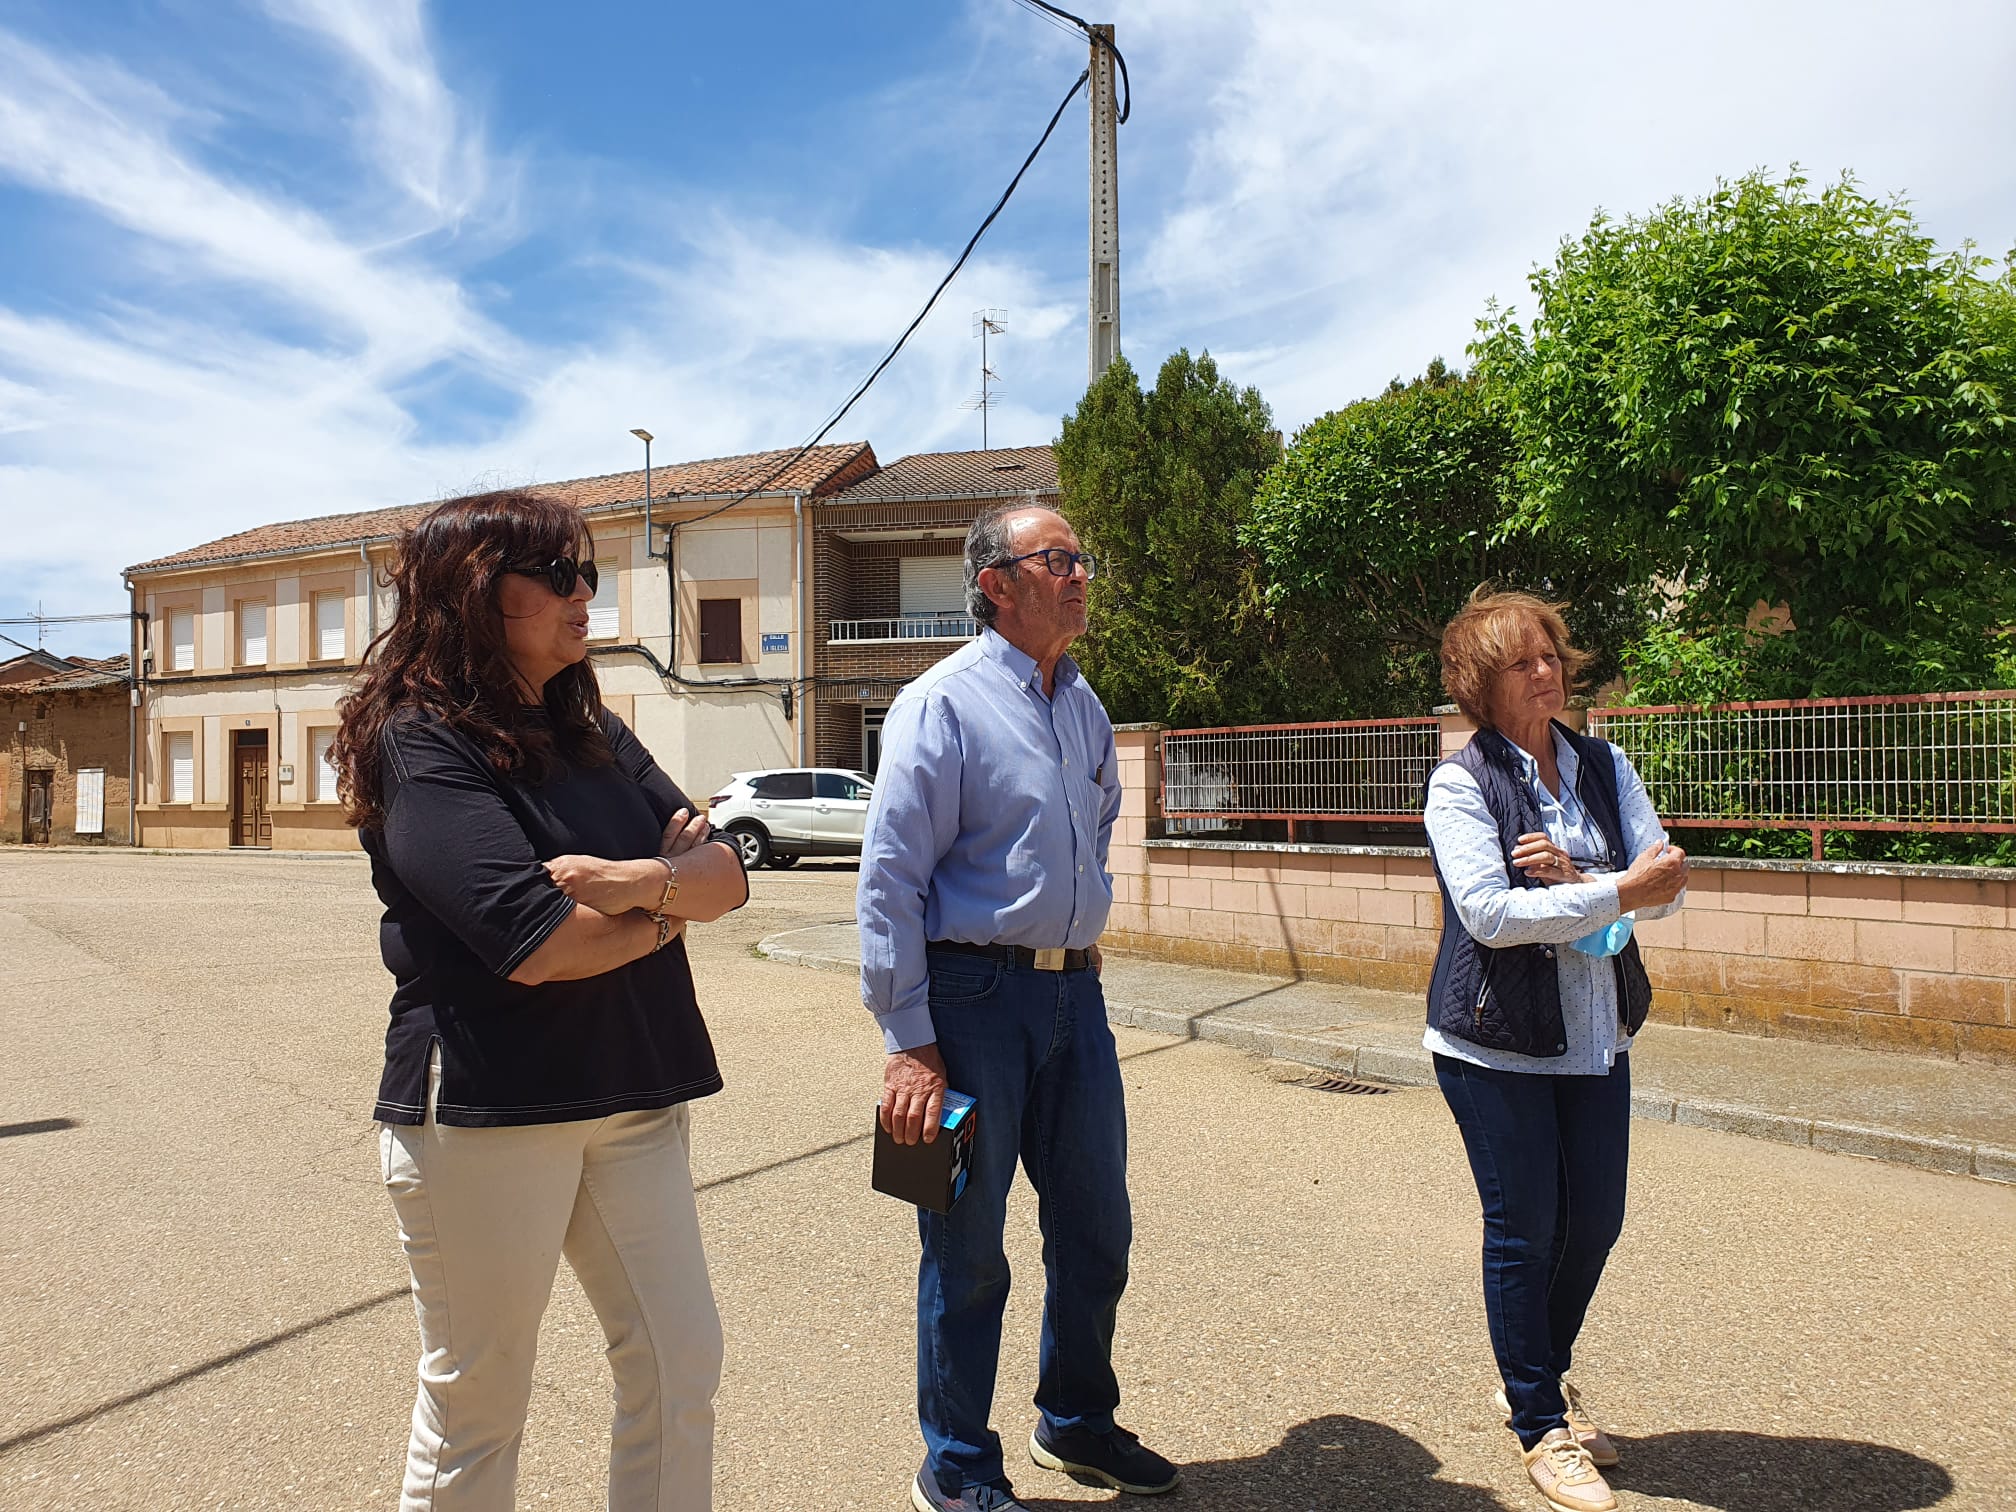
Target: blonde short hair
point(1486, 637)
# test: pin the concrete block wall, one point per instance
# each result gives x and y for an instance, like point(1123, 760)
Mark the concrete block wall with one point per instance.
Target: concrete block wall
point(1904, 958)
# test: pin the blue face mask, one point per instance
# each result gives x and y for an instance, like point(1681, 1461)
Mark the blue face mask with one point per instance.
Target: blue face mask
point(1606, 941)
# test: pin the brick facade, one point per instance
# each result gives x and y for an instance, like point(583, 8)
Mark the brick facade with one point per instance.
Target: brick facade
point(856, 576)
point(1915, 959)
point(66, 731)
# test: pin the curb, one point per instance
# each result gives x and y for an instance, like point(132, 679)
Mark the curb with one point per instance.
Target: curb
point(1412, 1068)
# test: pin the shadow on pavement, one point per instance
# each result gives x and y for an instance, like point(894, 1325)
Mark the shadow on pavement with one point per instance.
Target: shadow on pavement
point(215, 1362)
point(1759, 1472)
point(1329, 1464)
point(37, 1126)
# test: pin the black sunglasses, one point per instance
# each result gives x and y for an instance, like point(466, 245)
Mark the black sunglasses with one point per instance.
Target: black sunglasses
point(561, 574)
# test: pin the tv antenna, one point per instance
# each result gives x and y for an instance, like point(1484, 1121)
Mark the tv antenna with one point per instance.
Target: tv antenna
point(986, 323)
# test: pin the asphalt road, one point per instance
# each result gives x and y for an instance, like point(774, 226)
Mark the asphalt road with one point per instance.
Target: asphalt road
point(202, 1302)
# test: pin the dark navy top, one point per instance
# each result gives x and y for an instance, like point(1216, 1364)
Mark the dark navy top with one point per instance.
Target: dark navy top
point(457, 865)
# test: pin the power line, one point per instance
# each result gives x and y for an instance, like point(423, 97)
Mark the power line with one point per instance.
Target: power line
point(1126, 88)
point(974, 241)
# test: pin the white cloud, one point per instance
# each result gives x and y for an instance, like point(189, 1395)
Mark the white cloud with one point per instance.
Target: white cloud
point(413, 123)
point(1324, 196)
point(95, 136)
point(1359, 183)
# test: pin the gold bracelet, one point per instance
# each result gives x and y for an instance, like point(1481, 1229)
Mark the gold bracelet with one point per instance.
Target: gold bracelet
point(664, 932)
point(671, 888)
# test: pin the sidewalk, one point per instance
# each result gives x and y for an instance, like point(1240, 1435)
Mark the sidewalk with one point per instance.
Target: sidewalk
point(1935, 1114)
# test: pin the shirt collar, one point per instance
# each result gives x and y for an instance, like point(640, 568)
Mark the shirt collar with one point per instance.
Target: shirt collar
point(1564, 757)
point(1019, 664)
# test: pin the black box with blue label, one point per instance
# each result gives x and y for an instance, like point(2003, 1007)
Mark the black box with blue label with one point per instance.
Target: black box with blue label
point(930, 1175)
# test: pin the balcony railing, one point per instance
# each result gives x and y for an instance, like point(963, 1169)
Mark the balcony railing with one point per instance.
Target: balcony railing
point(905, 627)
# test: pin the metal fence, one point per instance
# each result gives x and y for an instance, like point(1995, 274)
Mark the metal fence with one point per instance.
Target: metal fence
point(1939, 761)
point(1359, 769)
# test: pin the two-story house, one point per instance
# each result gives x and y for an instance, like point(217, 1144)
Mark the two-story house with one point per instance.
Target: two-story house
point(700, 637)
point(888, 588)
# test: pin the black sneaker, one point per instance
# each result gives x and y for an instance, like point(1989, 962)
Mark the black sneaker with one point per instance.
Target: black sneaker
point(926, 1497)
point(1114, 1460)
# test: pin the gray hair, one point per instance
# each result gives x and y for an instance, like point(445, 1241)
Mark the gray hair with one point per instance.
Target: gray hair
point(987, 545)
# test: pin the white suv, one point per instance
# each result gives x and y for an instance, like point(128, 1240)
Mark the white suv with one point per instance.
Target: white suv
point(777, 816)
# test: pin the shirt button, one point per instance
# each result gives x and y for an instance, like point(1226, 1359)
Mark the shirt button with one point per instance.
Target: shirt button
point(1081, 868)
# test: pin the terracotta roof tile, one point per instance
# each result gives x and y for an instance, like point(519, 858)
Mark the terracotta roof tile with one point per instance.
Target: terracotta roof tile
point(90, 672)
point(819, 471)
point(1002, 473)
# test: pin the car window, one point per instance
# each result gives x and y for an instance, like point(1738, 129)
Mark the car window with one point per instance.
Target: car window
point(783, 785)
point(837, 785)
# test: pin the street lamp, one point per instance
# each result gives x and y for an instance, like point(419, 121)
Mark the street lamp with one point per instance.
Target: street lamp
point(645, 436)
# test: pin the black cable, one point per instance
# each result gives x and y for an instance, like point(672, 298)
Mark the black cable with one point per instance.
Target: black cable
point(1049, 20)
point(1126, 88)
point(974, 241)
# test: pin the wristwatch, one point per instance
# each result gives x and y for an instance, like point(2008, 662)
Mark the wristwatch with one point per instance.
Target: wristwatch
point(665, 932)
point(671, 888)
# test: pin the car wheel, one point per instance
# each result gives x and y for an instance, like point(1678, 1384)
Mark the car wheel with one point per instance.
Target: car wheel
point(780, 862)
point(753, 845)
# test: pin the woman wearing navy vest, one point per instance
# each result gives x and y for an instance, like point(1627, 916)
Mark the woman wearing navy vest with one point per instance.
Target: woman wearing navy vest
point(1545, 846)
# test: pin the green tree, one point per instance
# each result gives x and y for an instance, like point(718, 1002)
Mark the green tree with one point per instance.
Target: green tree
point(1393, 509)
point(1157, 486)
point(1772, 396)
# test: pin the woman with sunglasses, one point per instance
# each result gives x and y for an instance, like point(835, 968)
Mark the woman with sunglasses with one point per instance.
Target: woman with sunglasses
point(537, 870)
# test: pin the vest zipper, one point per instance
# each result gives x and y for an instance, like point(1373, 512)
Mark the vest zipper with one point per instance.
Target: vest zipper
point(1483, 991)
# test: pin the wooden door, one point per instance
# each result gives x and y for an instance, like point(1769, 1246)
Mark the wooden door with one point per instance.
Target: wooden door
point(37, 807)
point(252, 825)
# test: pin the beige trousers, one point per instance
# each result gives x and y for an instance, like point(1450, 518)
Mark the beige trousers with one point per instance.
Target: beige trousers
point(485, 1215)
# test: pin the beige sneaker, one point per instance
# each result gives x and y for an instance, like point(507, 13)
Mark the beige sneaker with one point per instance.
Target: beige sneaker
point(1560, 1470)
point(1602, 1451)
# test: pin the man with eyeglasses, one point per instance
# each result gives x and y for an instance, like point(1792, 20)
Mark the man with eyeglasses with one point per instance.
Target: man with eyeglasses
point(983, 893)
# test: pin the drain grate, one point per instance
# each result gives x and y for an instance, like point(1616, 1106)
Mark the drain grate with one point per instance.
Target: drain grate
point(1340, 1084)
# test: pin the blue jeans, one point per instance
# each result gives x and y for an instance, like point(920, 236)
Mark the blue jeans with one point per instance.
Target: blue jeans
point(1034, 1049)
point(1549, 1155)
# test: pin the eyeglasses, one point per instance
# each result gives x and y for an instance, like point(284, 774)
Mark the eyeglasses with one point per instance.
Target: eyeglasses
point(1060, 562)
point(561, 574)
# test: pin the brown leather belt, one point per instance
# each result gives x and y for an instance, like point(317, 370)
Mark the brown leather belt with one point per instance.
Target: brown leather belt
point(1057, 959)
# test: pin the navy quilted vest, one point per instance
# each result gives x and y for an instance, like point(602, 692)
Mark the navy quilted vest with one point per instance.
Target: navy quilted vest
point(1509, 998)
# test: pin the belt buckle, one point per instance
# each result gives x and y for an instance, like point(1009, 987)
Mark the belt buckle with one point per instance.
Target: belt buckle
point(1050, 960)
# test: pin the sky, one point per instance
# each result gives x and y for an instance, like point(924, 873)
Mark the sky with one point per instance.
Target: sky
point(267, 259)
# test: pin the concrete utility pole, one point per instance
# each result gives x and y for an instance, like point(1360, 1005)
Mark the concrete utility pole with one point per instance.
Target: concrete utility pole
point(1103, 329)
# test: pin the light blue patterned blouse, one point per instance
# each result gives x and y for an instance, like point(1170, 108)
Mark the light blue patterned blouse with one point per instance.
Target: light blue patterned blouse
point(1465, 839)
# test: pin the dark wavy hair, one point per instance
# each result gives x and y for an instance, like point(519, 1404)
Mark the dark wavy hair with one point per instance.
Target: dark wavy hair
point(443, 654)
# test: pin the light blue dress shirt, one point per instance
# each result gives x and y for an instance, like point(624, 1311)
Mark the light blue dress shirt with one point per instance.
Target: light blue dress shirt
point(993, 807)
point(1496, 913)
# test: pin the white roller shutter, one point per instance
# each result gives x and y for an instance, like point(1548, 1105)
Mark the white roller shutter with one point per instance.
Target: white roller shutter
point(329, 626)
point(91, 801)
point(252, 633)
point(180, 751)
point(932, 585)
point(604, 620)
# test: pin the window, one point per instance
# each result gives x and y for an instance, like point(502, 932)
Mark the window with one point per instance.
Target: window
point(321, 770)
point(721, 630)
point(178, 759)
point(783, 785)
point(91, 800)
point(182, 640)
point(932, 585)
point(329, 639)
point(839, 785)
point(603, 621)
point(251, 633)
